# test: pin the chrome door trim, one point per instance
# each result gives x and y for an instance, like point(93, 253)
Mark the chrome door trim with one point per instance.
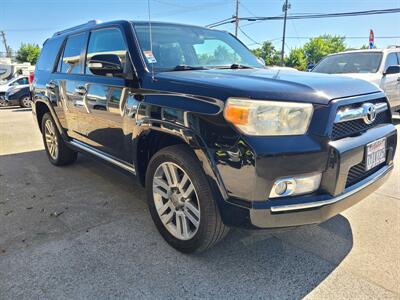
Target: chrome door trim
point(349, 114)
point(104, 156)
point(362, 185)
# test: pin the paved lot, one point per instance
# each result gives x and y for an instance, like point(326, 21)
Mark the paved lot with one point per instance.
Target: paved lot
point(103, 243)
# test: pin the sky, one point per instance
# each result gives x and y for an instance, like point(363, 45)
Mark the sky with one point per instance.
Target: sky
point(32, 21)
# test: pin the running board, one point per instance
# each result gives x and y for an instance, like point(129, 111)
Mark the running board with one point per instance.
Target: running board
point(103, 156)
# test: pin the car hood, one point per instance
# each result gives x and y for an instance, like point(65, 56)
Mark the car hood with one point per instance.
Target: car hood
point(274, 84)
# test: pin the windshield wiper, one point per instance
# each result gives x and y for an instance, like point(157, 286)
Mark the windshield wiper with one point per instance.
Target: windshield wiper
point(234, 66)
point(186, 68)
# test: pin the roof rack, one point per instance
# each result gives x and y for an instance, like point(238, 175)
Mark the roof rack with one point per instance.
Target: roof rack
point(393, 46)
point(82, 26)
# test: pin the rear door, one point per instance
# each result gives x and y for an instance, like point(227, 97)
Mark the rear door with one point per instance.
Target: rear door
point(391, 82)
point(102, 122)
point(71, 83)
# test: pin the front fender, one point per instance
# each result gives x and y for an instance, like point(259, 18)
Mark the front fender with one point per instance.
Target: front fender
point(147, 127)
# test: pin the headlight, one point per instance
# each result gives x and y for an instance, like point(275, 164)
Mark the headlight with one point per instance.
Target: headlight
point(256, 117)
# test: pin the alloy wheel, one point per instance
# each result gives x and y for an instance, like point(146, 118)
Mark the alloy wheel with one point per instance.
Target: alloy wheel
point(26, 102)
point(176, 201)
point(51, 139)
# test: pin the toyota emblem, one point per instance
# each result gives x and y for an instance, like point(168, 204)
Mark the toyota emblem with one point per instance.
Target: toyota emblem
point(369, 113)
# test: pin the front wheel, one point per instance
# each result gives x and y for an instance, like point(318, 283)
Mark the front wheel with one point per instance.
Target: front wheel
point(57, 151)
point(181, 201)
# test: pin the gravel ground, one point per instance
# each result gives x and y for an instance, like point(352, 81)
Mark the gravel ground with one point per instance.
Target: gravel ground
point(84, 232)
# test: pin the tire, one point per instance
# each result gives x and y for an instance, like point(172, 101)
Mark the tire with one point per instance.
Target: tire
point(57, 151)
point(172, 204)
point(25, 102)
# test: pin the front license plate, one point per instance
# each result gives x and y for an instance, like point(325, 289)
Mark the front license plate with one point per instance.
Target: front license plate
point(376, 153)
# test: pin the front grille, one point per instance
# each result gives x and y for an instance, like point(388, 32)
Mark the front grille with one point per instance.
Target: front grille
point(349, 128)
point(358, 173)
point(354, 127)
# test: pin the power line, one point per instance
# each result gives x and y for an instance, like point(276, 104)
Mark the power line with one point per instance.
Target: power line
point(309, 16)
point(249, 37)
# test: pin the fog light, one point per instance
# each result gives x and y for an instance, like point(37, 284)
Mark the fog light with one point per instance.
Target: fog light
point(281, 187)
point(296, 185)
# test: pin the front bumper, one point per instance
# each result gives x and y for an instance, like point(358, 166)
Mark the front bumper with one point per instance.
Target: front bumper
point(321, 209)
point(335, 194)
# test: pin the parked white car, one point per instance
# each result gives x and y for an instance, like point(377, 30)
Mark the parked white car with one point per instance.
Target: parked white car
point(16, 81)
point(379, 66)
point(20, 82)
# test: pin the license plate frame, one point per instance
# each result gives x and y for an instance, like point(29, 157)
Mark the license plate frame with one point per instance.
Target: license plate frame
point(375, 153)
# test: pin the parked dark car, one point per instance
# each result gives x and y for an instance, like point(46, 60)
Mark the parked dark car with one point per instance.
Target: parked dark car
point(217, 139)
point(19, 95)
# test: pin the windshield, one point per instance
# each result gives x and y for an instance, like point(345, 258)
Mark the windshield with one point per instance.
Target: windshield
point(357, 62)
point(179, 45)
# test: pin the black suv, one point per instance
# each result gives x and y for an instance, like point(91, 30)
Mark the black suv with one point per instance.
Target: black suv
point(217, 139)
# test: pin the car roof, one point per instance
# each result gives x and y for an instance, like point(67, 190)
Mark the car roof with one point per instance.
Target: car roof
point(96, 23)
point(382, 50)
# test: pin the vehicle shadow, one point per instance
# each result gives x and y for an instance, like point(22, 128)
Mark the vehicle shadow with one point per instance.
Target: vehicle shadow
point(22, 109)
point(104, 233)
point(8, 107)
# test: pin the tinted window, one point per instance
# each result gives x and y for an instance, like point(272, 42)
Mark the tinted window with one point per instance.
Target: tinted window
point(215, 52)
point(106, 41)
point(391, 60)
point(356, 62)
point(174, 45)
point(23, 80)
point(71, 61)
point(49, 54)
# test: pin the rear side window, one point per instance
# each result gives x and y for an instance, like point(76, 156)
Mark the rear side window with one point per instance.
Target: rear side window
point(48, 54)
point(71, 61)
point(106, 41)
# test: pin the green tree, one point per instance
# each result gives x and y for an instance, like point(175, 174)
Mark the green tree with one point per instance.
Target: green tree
point(28, 53)
point(268, 53)
point(317, 48)
point(297, 59)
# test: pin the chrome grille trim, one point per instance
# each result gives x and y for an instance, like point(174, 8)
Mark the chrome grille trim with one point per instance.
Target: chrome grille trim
point(350, 114)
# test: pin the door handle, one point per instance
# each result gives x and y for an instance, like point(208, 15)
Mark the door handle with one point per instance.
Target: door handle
point(398, 78)
point(51, 85)
point(81, 90)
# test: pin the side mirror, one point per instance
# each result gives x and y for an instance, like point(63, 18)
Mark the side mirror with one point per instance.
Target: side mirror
point(104, 64)
point(395, 69)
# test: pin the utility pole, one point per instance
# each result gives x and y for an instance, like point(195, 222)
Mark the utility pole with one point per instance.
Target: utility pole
point(237, 18)
point(8, 52)
point(285, 8)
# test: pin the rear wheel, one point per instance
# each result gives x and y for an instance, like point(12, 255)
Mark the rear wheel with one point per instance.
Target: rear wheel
point(57, 151)
point(25, 102)
point(181, 201)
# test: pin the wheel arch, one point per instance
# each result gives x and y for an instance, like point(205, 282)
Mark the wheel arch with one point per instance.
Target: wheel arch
point(152, 139)
point(42, 107)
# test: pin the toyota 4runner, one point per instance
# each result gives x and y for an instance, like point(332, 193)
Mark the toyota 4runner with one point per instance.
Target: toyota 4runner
point(217, 139)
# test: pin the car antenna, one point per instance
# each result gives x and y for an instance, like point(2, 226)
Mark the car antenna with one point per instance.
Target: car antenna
point(151, 40)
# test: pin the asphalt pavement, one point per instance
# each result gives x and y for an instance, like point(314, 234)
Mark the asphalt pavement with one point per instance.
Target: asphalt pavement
point(84, 232)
